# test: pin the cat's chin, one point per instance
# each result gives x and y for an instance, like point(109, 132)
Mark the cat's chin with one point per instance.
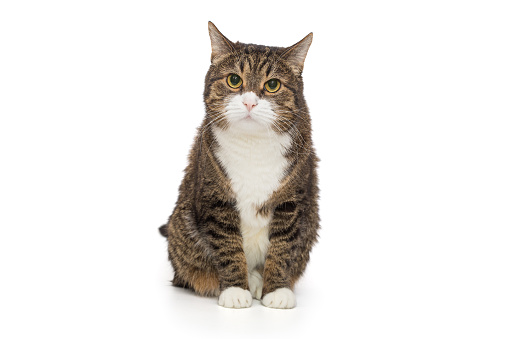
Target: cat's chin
point(248, 126)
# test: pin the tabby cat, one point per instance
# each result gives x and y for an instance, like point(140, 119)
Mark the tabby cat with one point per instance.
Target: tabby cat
point(247, 213)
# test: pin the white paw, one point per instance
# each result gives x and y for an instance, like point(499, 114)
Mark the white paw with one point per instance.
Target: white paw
point(280, 298)
point(255, 284)
point(235, 297)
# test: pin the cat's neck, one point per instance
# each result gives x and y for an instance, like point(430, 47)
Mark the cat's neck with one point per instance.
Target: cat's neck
point(230, 136)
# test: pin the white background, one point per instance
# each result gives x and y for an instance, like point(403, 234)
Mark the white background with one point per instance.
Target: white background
point(99, 102)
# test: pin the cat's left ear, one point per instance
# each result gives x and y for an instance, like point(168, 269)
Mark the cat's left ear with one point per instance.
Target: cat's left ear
point(296, 54)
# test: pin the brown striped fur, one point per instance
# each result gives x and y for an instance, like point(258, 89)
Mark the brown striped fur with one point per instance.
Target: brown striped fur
point(204, 239)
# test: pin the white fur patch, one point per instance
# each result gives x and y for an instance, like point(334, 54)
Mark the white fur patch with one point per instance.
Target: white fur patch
point(280, 298)
point(256, 243)
point(235, 297)
point(255, 165)
point(255, 284)
point(252, 155)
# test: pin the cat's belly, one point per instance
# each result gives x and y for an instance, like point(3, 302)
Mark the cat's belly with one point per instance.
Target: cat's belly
point(255, 166)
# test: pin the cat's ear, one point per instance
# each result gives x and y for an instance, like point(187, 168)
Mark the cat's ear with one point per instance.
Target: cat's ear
point(220, 44)
point(296, 54)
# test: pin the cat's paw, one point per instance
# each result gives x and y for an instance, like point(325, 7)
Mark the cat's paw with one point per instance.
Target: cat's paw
point(235, 297)
point(255, 284)
point(280, 298)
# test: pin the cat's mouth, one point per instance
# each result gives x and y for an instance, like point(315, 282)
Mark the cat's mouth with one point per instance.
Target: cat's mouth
point(249, 123)
point(247, 116)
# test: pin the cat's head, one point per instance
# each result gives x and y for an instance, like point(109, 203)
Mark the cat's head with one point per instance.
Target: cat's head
point(253, 89)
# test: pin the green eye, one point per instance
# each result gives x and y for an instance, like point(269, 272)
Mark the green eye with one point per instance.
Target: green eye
point(272, 85)
point(234, 80)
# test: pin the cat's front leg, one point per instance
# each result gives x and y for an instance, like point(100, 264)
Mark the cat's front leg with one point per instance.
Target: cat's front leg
point(277, 276)
point(276, 297)
point(225, 241)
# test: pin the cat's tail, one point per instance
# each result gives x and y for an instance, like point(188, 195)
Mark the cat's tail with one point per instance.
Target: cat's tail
point(164, 230)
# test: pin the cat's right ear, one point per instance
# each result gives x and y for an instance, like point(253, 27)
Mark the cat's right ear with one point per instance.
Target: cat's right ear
point(220, 44)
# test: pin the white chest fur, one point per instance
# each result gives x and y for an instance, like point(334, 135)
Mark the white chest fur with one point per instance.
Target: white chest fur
point(255, 165)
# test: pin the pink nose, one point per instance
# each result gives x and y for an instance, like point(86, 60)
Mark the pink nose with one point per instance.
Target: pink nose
point(249, 106)
point(249, 100)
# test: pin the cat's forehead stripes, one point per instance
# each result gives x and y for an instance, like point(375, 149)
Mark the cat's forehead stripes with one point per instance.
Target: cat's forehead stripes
point(259, 59)
point(254, 55)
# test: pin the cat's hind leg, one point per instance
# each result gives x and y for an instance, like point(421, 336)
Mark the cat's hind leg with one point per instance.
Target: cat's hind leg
point(191, 263)
point(205, 283)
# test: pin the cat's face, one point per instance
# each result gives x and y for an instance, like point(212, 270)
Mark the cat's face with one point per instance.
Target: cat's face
point(253, 89)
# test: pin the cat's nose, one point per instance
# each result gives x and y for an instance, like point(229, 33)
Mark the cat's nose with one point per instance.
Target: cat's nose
point(249, 106)
point(249, 100)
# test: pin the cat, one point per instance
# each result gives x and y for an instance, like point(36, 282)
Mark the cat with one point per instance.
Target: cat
point(247, 212)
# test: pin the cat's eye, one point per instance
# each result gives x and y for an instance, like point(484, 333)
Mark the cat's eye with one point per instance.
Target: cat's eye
point(272, 85)
point(234, 80)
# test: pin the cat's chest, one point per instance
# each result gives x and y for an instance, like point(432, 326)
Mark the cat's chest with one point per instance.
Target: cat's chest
point(255, 166)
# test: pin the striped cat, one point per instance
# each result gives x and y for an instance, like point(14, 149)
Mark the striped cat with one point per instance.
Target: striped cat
point(247, 213)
